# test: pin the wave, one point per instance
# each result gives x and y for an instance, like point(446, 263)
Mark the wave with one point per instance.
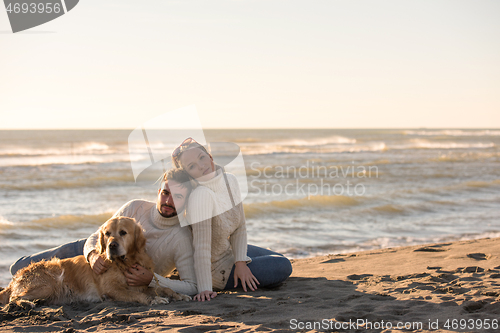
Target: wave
point(470, 185)
point(464, 186)
point(69, 149)
point(70, 221)
point(334, 143)
point(421, 207)
point(465, 157)
point(341, 148)
point(376, 146)
point(480, 184)
point(66, 222)
point(68, 183)
point(68, 159)
point(4, 221)
point(454, 132)
point(388, 242)
point(425, 144)
point(258, 209)
point(246, 140)
point(392, 209)
point(346, 247)
point(317, 141)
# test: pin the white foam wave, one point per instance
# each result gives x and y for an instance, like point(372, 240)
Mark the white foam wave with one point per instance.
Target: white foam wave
point(4, 221)
point(91, 147)
point(425, 144)
point(454, 132)
point(273, 149)
point(388, 242)
point(62, 159)
point(383, 243)
point(153, 145)
point(67, 149)
point(299, 147)
point(317, 141)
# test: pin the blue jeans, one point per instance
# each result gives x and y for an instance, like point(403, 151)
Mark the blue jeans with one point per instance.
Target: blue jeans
point(68, 250)
point(269, 267)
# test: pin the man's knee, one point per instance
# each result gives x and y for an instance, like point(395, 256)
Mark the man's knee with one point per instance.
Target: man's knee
point(19, 264)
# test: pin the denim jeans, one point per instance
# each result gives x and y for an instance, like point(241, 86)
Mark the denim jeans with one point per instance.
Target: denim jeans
point(68, 250)
point(270, 268)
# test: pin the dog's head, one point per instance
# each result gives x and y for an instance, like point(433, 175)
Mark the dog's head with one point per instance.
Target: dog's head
point(120, 237)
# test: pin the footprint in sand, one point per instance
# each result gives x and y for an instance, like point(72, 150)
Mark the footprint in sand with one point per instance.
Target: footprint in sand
point(359, 276)
point(430, 249)
point(471, 269)
point(473, 306)
point(479, 256)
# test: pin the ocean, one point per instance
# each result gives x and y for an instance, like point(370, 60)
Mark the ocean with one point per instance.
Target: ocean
point(310, 192)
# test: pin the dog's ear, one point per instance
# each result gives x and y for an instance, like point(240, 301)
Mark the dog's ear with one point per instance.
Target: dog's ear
point(140, 240)
point(101, 244)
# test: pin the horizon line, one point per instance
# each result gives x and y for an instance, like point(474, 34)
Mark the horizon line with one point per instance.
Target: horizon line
point(252, 128)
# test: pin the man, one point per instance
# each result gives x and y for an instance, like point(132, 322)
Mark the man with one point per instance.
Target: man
point(169, 245)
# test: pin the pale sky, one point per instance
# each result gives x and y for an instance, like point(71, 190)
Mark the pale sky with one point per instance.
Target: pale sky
point(256, 64)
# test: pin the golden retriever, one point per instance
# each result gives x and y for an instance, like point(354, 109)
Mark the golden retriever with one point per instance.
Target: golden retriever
point(121, 242)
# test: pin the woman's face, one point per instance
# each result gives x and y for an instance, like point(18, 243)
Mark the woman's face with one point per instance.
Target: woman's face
point(197, 164)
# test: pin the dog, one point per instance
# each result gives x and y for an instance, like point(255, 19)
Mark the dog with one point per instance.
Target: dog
point(59, 281)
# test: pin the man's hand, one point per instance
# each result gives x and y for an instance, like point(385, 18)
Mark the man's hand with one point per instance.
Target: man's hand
point(208, 295)
point(138, 276)
point(242, 272)
point(97, 263)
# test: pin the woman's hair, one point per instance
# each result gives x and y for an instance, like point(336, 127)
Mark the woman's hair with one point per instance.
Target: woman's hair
point(189, 143)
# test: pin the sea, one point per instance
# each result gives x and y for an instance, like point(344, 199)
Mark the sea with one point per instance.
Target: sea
point(310, 192)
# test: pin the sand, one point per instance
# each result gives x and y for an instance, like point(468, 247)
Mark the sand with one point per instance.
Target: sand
point(422, 287)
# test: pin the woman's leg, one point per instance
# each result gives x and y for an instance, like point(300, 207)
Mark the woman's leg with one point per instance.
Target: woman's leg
point(255, 251)
point(270, 268)
point(68, 250)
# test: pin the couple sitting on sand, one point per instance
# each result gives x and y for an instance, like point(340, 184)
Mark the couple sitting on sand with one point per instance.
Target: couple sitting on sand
point(211, 254)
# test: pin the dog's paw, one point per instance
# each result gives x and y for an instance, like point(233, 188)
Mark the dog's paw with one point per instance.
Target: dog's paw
point(159, 300)
point(25, 304)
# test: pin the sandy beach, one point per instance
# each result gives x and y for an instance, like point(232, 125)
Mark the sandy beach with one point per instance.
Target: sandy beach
point(437, 287)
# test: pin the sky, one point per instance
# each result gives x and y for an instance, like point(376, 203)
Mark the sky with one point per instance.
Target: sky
point(256, 64)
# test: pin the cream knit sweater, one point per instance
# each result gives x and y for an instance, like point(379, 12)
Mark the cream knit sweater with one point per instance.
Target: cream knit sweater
point(167, 243)
point(220, 239)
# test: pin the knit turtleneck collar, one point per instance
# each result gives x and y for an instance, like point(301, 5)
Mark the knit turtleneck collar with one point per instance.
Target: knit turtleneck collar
point(216, 183)
point(163, 222)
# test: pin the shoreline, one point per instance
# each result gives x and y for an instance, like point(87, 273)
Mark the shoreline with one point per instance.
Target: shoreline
point(428, 284)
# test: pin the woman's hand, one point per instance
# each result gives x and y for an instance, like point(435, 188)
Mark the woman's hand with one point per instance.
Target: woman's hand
point(242, 272)
point(207, 294)
point(138, 276)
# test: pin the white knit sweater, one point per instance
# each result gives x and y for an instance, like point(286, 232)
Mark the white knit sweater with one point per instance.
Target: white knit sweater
point(220, 239)
point(169, 245)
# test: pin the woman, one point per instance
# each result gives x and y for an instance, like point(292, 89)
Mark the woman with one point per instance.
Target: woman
point(221, 257)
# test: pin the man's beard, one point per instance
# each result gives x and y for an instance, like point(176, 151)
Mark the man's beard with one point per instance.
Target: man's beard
point(174, 213)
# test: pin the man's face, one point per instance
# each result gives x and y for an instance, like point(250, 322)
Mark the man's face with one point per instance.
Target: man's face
point(171, 198)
